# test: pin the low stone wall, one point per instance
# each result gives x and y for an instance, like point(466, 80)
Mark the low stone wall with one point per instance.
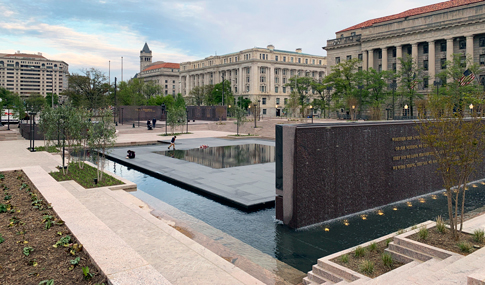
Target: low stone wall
point(325, 171)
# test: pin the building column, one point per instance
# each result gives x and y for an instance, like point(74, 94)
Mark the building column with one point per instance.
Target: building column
point(449, 49)
point(414, 51)
point(384, 58)
point(364, 60)
point(469, 47)
point(371, 59)
point(398, 56)
point(431, 60)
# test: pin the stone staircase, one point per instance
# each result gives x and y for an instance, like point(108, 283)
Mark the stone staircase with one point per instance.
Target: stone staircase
point(9, 135)
point(423, 265)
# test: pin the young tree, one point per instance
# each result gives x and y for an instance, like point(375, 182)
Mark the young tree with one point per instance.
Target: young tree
point(176, 117)
point(88, 89)
point(50, 98)
point(344, 81)
point(409, 77)
point(373, 90)
point(216, 98)
point(197, 95)
point(301, 86)
point(35, 102)
point(101, 138)
point(240, 115)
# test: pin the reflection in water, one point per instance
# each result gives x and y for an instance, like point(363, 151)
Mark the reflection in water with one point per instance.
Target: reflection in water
point(225, 156)
point(298, 248)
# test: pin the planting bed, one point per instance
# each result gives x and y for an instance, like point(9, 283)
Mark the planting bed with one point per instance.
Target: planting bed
point(354, 263)
point(446, 242)
point(29, 229)
point(85, 176)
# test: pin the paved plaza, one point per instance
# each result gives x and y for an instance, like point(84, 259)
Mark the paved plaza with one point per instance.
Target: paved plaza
point(246, 186)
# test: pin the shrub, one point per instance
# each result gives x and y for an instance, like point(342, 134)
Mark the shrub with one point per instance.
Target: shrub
point(465, 246)
point(440, 225)
point(372, 247)
point(359, 251)
point(423, 233)
point(414, 227)
point(344, 258)
point(387, 259)
point(388, 241)
point(367, 267)
point(400, 231)
point(478, 235)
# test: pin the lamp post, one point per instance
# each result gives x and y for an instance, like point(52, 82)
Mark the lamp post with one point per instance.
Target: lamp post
point(311, 112)
point(259, 110)
point(228, 110)
point(437, 83)
point(471, 109)
point(249, 109)
point(166, 123)
point(187, 118)
point(116, 104)
point(353, 111)
point(8, 119)
point(139, 117)
point(406, 110)
point(32, 130)
point(223, 90)
point(255, 114)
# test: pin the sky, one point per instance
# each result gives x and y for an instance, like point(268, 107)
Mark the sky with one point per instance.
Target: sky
point(98, 33)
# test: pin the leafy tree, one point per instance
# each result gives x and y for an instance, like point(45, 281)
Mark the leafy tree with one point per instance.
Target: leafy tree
point(179, 101)
point(216, 96)
point(35, 102)
point(409, 77)
point(88, 89)
point(158, 100)
point(197, 95)
point(240, 115)
point(373, 90)
point(12, 101)
point(323, 100)
point(49, 97)
point(150, 89)
point(344, 81)
point(301, 86)
point(208, 96)
point(243, 103)
point(131, 92)
point(176, 117)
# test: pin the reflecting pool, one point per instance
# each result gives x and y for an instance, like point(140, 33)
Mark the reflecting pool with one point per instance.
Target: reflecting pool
point(298, 248)
point(225, 156)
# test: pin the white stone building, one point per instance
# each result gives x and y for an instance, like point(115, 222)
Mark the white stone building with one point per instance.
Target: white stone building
point(165, 74)
point(256, 74)
point(27, 74)
point(430, 34)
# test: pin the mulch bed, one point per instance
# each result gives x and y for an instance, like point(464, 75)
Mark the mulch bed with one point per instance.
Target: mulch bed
point(446, 242)
point(373, 256)
point(27, 255)
point(85, 176)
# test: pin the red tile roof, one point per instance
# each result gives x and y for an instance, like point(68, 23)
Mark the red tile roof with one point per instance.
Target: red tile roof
point(24, 55)
point(413, 12)
point(163, 65)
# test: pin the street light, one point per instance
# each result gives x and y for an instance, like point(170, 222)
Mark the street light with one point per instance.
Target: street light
point(222, 89)
point(353, 110)
point(259, 110)
point(255, 114)
point(311, 112)
point(406, 110)
point(437, 83)
point(187, 118)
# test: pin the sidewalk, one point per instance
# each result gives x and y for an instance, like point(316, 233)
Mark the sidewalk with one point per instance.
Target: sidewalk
point(128, 243)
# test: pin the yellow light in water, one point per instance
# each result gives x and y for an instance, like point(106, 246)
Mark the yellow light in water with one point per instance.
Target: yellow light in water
point(409, 204)
point(474, 185)
point(327, 229)
point(380, 212)
point(395, 209)
point(444, 194)
point(346, 222)
point(483, 183)
point(421, 200)
point(364, 217)
point(434, 197)
point(466, 188)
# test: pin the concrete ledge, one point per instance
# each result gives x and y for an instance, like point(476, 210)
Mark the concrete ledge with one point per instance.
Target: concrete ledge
point(128, 186)
point(107, 250)
point(477, 278)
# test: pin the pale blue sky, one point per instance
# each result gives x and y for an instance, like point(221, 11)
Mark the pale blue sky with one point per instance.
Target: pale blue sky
point(89, 33)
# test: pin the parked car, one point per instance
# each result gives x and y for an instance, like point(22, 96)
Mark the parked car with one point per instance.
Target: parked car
point(9, 115)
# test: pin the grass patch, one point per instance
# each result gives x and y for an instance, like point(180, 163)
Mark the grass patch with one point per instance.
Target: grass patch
point(174, 134)
point(423, 233)
point(372, 247)
point(344, 258)
point(478, 235)
point(367, 267)
point(465, 246)
point(387, 260)
point(359, 251)
point(51, 148)
point(440, 225)
point(85, 177)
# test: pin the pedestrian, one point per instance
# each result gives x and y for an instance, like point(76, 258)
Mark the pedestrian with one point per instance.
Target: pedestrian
point(172, 143)
point(154, 121)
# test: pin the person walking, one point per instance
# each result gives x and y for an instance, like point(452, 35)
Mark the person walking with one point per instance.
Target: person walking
point(172, 143)
point(154, 121)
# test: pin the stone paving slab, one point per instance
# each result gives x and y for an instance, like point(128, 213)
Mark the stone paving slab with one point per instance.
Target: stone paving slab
point(248, 186)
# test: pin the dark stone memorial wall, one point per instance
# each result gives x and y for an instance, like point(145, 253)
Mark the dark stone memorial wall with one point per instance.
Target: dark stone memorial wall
point(326, 171)
point(128, 114)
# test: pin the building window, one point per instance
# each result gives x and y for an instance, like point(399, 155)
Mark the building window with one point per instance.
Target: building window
point(173, 81)
point(359, 56)
point(394, 52)
point(166, 86)
point(277, 101)
point(337, 60)
point(284, 80)
point(443, 46)
point(247, 88)
point(173, 86)
point(262, 79)
point(425, 83)
point(276, 80)
point(166, 81)
point(276, 89)
point(482, 59)
point(276, 58)
point(359, 68)
point(264, 101)
point(463, 61)
point(285, 101)
point(410, 50)
point(291, 59)
point(425, 48)
point(443, 63)
point(379, 68)
point(394, 66)
point(166, 92)
point(313, 61)
point(425, 64)
point(247, 70)
point(264, 111)
point(481, 42)
point(247, 79)
point(462, 43)
point(379, 54)
point(299, 60)
point(284, 71)
point(276, 71)
point(263, 70)
point(349, 57)
point(235, 89)
point(320, 62)
point(284, 58)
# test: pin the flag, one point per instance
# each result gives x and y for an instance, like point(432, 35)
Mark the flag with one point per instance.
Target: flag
point(467, 77)
point(414, 82)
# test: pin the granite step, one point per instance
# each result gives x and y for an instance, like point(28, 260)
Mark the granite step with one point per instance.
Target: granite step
point(421, 247)
point(315, 278)
point(321, 272)
point(414, 254)
point(340, 271)
point(418, 271)
point(398, 256)
point(307, 281)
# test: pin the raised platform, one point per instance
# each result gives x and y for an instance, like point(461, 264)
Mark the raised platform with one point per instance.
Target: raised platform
point(247, 187)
